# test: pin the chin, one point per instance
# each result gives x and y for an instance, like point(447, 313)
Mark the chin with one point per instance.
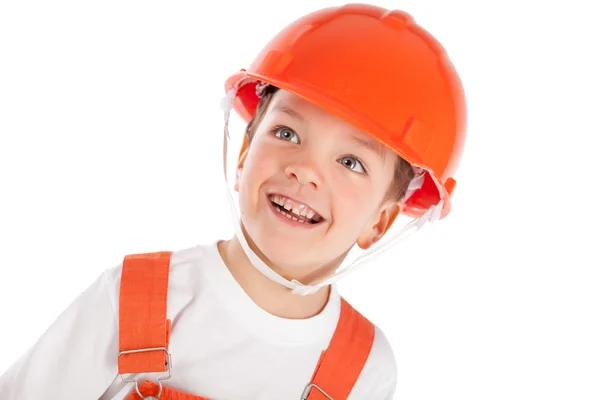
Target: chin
point(289, 249)
point(282, 252)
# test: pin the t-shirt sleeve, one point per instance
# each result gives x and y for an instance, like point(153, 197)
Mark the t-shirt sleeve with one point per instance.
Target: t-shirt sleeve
point(75, 358)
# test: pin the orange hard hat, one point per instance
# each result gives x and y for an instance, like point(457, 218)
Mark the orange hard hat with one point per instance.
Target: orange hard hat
point(380, 71)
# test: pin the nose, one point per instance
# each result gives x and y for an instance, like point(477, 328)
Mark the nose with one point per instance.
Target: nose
point(305, 172)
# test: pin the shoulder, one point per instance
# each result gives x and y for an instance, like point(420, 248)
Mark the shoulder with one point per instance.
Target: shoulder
point(183, 264)
point(184, 279)
point(379, 376)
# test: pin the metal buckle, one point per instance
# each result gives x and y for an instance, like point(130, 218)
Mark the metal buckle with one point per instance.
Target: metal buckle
point(307, 389)
point(162, 378)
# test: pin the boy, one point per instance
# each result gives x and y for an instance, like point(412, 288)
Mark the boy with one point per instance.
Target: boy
point(355, 116)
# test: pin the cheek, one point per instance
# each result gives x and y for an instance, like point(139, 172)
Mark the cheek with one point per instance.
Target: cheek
point(353, 204)
point(258, 167)
point(262, 153)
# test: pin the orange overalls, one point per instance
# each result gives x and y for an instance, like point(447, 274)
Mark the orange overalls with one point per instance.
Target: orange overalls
point(144, 336)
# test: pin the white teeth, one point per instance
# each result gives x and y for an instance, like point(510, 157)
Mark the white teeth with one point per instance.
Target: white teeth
point(288, 204)
point(301, 219)
point(277, 199)
point(302, 210)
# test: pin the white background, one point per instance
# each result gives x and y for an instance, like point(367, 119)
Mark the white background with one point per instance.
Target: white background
point(110, 143)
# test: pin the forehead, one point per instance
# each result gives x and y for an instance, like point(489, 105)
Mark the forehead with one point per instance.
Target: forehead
point(297, 108)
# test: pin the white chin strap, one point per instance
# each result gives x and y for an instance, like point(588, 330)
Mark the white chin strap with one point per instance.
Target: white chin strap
point(432, 215)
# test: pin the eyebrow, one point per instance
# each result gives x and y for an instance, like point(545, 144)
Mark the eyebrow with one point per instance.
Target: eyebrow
point(289, 111)
point(370, 145)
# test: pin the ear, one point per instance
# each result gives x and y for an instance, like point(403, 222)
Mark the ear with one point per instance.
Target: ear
point(379, 226)
point(240, 164)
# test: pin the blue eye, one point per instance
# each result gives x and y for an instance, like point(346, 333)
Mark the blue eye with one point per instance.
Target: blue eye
point(353, 163)
point(287, 134)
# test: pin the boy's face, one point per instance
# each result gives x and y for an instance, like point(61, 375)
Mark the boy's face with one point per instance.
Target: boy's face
point(332, 177)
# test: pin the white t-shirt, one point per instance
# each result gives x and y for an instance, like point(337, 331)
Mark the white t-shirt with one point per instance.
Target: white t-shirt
point(223, 346)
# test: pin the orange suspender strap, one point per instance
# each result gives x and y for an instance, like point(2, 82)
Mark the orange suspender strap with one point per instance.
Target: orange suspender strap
point(143, 323)
point(341, 364)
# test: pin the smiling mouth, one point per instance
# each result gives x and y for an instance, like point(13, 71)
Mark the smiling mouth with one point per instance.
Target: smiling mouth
point(294, 210)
